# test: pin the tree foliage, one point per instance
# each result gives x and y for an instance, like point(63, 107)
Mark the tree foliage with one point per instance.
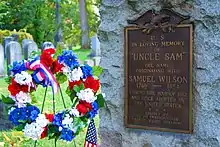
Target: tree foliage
point(37, 17)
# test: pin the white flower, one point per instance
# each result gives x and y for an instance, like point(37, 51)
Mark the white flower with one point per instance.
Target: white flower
point(74, 112)
point(41, 120)
point(21, 99)
point(33, 131)
point(60, 128)
point(9, 111)
point(67, 122)
point(87, 95)
point(23, 78)
point(75, 74)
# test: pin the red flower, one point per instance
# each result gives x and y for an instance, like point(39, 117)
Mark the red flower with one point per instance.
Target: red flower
point(72, 84)
point(83, 107)
point(49, 51)
point(46, 59)
point(57, 66)
point(92, 83)
point(44, 133)
point(50, 117)
point(15, 88)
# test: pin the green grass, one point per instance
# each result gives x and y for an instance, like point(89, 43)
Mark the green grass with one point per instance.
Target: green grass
point(79, 140)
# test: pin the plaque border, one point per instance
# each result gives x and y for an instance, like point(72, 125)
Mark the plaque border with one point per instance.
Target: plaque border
point(190, 131)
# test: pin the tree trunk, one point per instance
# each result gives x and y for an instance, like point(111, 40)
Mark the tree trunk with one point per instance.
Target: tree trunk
point(85, 43)
point(59, 34)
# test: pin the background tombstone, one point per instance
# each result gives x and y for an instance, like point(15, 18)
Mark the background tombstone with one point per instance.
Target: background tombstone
point(13, 53)
point(95, 46)
point(24, 43)
point(5, 42)
point(29, 48)
point(47, 45)
point(206, 68)
point(2, 73)
point(15, 37)
point(5, 124)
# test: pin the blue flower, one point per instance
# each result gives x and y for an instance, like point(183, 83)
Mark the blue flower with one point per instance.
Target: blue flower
point(67, 135)
point(58, 119)
point(94, 110)
point(33, 112)
point(87, 71)
point(18, 115)
point(18, 67)
point(69, 59)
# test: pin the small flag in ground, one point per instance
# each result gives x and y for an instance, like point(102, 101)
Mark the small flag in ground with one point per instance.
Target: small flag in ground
point(91, 136)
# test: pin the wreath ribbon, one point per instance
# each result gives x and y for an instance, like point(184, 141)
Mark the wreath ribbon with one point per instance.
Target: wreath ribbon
point(43, 73)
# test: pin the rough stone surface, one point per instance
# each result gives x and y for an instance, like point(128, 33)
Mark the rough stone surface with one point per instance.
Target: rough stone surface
point(206, 84)
point(4, 122)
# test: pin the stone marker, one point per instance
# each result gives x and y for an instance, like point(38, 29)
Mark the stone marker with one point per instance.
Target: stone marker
point(95, 46)
point(13, 53)
point(47, 45)
point(5, 124)
point(206, 69)
point(5, 43)
point(24, 43)
point(2, 73)
point(29, 48)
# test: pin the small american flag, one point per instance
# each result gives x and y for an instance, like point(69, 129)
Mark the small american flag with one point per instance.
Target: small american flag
point(91, 136)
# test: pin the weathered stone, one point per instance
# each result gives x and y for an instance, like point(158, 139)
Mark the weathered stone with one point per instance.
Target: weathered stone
point(96, 60)
point(4, 122)
point(24, 43)
point(47, 45)
point(2, 71)
point(13, 53)
point(6, 42)
point(29, 48)
point(206, 69)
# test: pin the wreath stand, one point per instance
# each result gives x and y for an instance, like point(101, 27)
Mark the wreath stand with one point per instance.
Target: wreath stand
point(54, 111)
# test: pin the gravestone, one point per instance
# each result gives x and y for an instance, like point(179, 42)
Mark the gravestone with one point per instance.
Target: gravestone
point(205, 75)
point(24, 43)
point(95, 47)
point(89, 62)
point(13, 53)
point(5, 43)
point(2, 72)
point(29, 48)
point(47, 45)
point(5, 124)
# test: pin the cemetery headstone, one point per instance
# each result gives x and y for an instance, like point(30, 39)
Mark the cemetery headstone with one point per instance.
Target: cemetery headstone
point(89, 62)
point(47, 45)
point(5, 124)
point(29, 48)
point(15, 37)
point(24, 43)
point(2, 73)
point(96, 60)
point(144, 55)
point(13, 53)
point(5, 42)
point(95, 47)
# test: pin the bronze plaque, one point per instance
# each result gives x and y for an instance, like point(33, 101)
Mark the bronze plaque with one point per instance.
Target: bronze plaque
point(158, 79)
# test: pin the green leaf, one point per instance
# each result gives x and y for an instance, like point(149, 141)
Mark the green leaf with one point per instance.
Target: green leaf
point(20, 127)
point(7, 100)
point(100, 100)
point(61, 78)
point(76, 88)
point(97, 70)
point(81, 86)
point(8, 80)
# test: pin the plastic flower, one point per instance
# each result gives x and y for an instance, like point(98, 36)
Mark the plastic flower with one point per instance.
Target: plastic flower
point(33, 112)
point(67, 135)
point(94, 111)
point(75, 74)
point(58, 119)
point(57, 67)
point(33, 131)
point(92, 83)
point(21, 99)
point(17, 115)
point(87, 71)
point(46, 59)
point(15, 88)
point(41, 120)
point(73, 83)
point(74, 112)
point(67, 121)
point(23, 78)
point(69, 59)
point(83, 107)
point(17, 67)
point(50, 117)
point(87, 95)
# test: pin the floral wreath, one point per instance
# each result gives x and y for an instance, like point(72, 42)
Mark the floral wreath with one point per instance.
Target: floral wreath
point(83, 90)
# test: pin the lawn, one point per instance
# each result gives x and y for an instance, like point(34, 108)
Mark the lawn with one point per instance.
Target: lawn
point(11, 134)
